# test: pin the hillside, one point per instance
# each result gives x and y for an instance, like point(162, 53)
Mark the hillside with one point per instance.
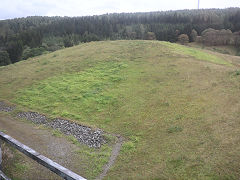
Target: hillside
point(176, 107)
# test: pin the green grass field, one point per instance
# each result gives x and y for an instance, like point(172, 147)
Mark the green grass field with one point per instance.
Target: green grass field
point(177, 107)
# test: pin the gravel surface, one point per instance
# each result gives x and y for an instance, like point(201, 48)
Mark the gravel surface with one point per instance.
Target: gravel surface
point(92, 138)
point(34, 117)
point(85, 135)
point(4, 107)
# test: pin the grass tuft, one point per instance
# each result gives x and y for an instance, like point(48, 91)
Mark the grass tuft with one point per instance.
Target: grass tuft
point(237, 73)
point(174, 129)
point(128, 147)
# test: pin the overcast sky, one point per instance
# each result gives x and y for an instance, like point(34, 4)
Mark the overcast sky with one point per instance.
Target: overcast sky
point(22, 8)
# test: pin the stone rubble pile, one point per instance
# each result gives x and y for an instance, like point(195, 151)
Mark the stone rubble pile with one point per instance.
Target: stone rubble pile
point(34, 117)
point(4, 107)
point(84, 134)
point(92, 138)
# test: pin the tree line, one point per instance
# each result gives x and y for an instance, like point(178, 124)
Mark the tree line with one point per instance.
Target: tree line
point(22, 38)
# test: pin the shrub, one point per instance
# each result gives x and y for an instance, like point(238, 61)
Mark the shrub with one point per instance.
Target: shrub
point(28, 52)
point(88, 37)
point(238, 53)
point(183, 39)
point(194, 35)
point(68, 42)
point(151, 36)
point(237, 73)
point(4, 58)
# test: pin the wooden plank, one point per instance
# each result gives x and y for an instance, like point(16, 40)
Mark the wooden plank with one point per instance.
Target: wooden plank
point(48, 163)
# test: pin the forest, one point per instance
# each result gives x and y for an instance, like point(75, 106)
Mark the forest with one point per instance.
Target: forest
point(22, 38)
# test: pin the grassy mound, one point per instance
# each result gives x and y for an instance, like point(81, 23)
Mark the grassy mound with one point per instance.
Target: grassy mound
point(177, 107)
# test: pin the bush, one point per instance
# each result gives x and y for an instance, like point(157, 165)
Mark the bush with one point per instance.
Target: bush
point(53, 48)
point(4, 58)
point(68, 42)
point(194, 35)
point(238, 53)
point(237, 73)
point(183, 39)
point(151, 36)
point(88, 37)
point(28, 52)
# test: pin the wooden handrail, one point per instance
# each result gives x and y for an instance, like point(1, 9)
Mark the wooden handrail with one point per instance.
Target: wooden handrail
point(3, 176)
point(48, 163)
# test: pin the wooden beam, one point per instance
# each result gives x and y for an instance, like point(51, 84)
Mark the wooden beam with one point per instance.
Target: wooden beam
point(3, 176)
point(48, 163)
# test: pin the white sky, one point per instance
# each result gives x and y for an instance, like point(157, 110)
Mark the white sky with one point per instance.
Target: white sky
point(22, 8)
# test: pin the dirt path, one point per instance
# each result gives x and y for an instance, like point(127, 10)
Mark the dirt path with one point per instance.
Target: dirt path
point(115, 152)
point(58, 149)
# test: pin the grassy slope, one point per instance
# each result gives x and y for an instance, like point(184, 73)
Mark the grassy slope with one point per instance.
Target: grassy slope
point(179, 114)
point(231, 50)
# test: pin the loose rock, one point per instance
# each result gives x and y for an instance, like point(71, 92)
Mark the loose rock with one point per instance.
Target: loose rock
point(34, 117)
point(84, 134)
point(92, 138)
point(4, 107)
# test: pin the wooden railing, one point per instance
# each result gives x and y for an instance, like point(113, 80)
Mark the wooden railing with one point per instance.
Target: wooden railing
point(54, 167)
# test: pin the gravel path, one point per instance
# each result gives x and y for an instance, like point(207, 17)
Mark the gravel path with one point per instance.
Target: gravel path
point(86, 135)
point(57, 149)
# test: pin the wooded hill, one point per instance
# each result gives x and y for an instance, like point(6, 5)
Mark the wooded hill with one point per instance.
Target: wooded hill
point(27, 37)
